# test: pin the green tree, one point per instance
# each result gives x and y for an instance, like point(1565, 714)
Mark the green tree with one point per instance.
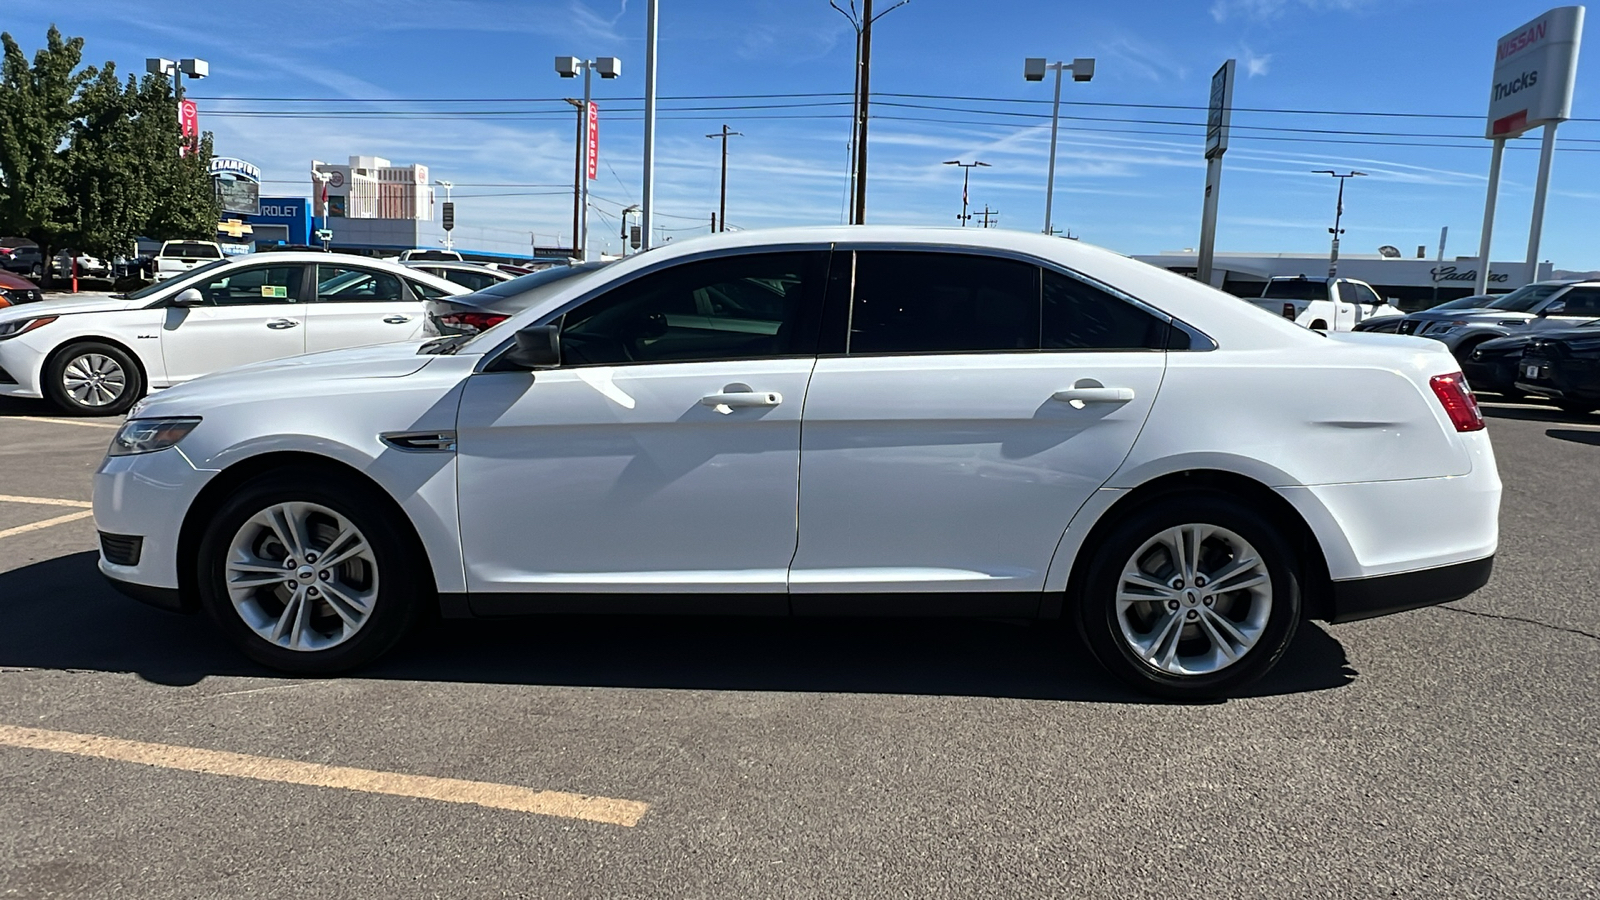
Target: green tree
point(37, 104)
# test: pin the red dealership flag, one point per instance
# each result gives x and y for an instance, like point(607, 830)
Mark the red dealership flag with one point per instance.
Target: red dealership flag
point(594, 141)
point(188, 126)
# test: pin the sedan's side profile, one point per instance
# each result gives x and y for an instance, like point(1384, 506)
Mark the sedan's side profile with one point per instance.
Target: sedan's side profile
point(835, 421)
point(98, 356)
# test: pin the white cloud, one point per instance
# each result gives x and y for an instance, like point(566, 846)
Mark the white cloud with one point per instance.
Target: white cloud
point(1256, 64)
point(1266, 10)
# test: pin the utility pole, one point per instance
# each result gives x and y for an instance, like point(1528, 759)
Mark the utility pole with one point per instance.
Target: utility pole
point(863, 27)
point(966, 173)
point(577, 171)
point(1333, 258)
point(648, 202)
point(722, 205)
point(988, 213)
point(713, 223)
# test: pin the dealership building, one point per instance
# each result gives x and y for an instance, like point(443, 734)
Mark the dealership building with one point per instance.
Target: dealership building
point(1414, 283)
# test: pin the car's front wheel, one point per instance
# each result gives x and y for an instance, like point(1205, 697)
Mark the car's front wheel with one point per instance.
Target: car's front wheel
point(1192, 596)
point(308, 573)
point(93, 379)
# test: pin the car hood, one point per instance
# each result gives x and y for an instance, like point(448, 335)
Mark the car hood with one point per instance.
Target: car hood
point(1475, 316)
point(61, 306)
point(312, 374)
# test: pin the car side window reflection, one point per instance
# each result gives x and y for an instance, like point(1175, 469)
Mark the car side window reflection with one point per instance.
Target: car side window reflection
point(1079, 316)
point(343, 284)
point(255, 286)
point(750, 306)
point(908, 302)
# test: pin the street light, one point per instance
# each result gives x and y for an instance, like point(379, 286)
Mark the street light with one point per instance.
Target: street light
point(569, 67)
point(448, 217)
point(194, 68)
point(1033, 69)
point(966, 173)
point(625, 238)
point(1338, 213)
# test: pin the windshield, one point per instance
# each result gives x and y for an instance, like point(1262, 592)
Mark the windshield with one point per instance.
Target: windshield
point(190, 250)
point(1472, 302)
point(1525, 298)
point(1295, 289)
point(187, 277)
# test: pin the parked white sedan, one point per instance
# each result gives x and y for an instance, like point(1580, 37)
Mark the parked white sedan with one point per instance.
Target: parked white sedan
point(97, 356)
point(834, 421)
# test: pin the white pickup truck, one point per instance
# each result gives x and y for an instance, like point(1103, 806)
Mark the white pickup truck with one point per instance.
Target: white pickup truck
point(178, 257)
point(1323, 304)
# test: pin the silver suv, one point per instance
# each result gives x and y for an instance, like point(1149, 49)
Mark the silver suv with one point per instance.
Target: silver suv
point(1533, 307)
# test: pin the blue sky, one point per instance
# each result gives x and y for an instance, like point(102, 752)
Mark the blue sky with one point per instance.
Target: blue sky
point(1116, 186)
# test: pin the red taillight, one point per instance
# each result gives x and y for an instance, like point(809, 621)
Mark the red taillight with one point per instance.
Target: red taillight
point(1459, 404)
point(472, 320)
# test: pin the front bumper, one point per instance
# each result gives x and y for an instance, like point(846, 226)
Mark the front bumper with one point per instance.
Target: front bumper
point(1366, 598)
point(1498, 374)
point(147, 496)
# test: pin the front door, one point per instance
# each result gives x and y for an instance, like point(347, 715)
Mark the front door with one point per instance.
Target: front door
point(355, 307)
point(664, 454)
point(249, 314)
point(979, 403)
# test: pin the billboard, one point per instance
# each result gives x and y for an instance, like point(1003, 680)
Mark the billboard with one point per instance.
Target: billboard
point(1219, 112)
point(1534, 68)
point(238, 185)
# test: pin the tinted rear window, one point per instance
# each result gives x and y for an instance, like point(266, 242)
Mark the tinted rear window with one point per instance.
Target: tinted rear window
point(188, 250)
point(1295, 289)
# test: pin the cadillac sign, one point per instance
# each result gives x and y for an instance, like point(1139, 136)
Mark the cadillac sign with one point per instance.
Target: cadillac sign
point(1534, 68)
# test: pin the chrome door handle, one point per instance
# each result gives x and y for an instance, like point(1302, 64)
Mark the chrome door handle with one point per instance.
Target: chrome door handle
point(282, 323)
point(735, 399)
point(1095, 395)
point(397, 320)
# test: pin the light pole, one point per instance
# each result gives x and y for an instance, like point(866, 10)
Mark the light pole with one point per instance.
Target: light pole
point(1338, 213)
point(448, 217)
point(1033, 69)
point(966, 173)
point(569, 67)
point(194, 68)
point(322, 179)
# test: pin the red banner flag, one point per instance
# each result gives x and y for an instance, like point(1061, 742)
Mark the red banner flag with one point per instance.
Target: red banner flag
point(188, 125)
point(594, 141)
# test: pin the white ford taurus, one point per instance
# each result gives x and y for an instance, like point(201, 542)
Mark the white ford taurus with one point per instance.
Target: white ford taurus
point(97, 356)
point(833, 421)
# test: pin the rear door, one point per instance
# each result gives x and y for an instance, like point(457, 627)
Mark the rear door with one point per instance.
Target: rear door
point(250, 314)
point(355, 306)
point(976, 405)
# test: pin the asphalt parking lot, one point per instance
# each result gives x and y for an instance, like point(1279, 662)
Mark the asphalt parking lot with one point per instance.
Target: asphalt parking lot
point(1448, 752)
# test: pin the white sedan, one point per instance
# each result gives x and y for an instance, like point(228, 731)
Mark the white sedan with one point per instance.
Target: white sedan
point(833, 421)
point(97, 356)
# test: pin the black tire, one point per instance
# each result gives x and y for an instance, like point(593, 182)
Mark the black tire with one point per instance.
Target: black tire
point(404, 583)
point(1577, 407)
point(36, 272)
point(55, 371)
point(1100, 622)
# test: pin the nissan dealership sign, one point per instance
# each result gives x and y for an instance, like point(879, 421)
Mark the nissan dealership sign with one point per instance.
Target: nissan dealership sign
point(1534, 68)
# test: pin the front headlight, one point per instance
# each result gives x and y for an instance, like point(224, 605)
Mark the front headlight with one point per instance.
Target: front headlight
point(22, 326)
point(149, 435)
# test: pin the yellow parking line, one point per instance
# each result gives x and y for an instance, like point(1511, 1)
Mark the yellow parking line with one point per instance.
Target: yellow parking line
point(262, 768)
point(46, 501)
point(58, 520)
point(64, 421)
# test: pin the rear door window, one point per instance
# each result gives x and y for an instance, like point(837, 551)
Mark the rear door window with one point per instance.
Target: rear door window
point(344, 284)
point(932, 302)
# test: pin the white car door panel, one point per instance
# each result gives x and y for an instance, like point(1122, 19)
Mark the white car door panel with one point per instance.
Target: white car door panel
point(664, 456)
point(356, 307)
point(249, 315)
point(639, 478)
point(927, 470)
point(958, 473)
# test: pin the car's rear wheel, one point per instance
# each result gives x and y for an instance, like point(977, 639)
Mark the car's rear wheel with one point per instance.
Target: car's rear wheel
point(1190, 597)
point(93, 379)
point(310, 574)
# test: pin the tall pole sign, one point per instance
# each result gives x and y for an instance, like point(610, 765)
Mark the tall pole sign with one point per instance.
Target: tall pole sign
point(1534, 70)
point(1219, 115)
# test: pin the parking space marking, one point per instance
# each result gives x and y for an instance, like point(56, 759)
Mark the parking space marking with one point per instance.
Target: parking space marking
point(561, 804)
point(35, 526)
point(63, 421)
point(46, 501)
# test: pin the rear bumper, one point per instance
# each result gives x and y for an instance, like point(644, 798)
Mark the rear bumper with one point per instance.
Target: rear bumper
point(1366, 598)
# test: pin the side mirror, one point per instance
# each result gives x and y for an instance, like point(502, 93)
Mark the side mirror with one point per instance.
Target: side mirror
point(1554, 309)
point(537, 347)
point(188, 297)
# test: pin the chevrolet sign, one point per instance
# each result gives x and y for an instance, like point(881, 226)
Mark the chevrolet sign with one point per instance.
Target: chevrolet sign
point(1534, 68)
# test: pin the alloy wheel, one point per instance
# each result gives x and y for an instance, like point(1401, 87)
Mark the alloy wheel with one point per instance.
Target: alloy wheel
point(94, 380)
point(301, 576)
point(1193, 600)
